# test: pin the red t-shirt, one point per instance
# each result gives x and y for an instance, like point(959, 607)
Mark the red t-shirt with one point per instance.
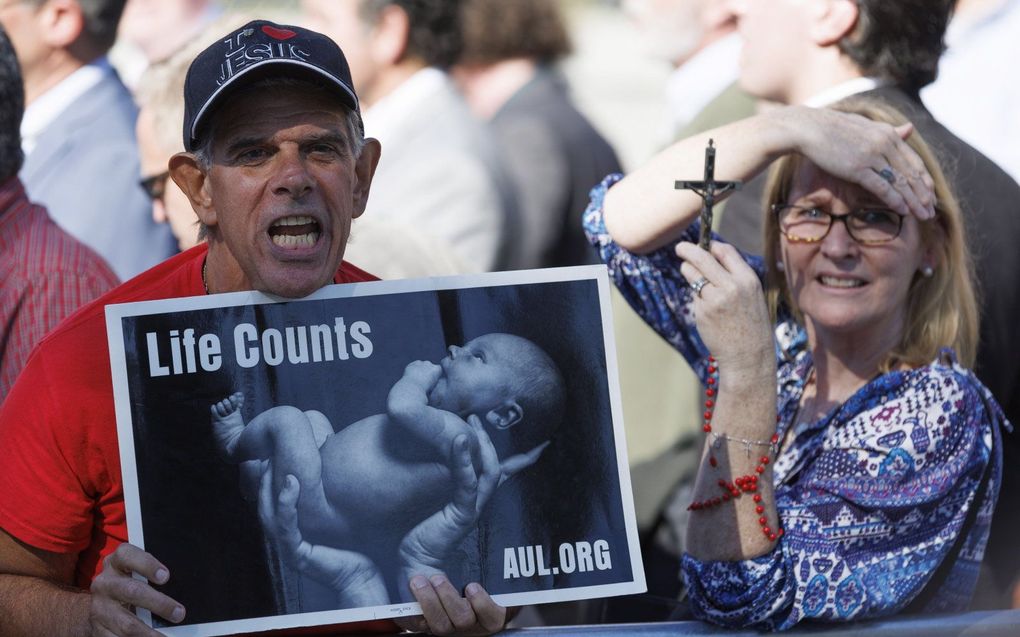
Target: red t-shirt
point(62, 489)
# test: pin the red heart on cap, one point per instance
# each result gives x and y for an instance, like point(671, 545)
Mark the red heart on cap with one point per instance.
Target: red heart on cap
point(279, 34)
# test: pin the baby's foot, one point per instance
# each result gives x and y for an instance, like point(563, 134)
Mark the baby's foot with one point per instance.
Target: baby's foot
point(227, 423)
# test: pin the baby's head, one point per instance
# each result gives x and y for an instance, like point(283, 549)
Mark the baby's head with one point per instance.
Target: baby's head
point(505, 380)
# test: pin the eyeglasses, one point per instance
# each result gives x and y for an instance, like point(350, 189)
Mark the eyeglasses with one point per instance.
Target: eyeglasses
point(808, 224)
point(155, 186)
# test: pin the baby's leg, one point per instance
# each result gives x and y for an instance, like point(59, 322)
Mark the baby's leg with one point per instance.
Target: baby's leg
point(282, 434)
point(228, 425)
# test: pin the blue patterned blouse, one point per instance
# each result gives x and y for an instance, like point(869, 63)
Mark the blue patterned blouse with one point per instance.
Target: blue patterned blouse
point(872, 496)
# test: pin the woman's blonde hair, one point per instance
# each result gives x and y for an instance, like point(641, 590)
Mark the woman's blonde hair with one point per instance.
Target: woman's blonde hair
point(941, 309)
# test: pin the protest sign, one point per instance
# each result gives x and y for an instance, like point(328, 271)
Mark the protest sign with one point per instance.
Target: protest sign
point(219, 398)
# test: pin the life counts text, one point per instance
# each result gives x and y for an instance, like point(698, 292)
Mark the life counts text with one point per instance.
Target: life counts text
point(183, 351)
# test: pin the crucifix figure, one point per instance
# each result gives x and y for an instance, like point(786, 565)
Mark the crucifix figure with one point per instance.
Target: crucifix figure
point(707, 189)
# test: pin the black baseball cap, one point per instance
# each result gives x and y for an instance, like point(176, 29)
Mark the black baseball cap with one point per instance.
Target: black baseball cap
point(258, 50)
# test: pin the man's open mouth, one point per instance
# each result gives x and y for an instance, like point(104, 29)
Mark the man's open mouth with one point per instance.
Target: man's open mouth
point(295, 232)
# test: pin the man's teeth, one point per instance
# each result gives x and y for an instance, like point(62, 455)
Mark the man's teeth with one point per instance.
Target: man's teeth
point(841, 283)
point(292, 241)
point(285, 240)
point(294, 221)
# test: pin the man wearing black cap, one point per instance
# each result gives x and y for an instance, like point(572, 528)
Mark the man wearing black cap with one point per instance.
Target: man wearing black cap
point(276, 168)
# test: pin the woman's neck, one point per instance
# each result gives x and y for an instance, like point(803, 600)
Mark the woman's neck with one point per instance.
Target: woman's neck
point(844, 365)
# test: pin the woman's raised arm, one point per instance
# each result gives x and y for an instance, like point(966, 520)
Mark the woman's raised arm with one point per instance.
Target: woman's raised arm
point(644, 212)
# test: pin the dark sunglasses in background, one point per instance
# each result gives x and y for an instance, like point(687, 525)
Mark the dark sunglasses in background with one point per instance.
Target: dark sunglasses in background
point(155, 185)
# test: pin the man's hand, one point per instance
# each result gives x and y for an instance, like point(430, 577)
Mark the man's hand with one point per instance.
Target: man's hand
point(116, 592)
point(445, 612)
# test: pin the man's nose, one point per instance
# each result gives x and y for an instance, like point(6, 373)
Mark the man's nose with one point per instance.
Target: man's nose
point(291, 177)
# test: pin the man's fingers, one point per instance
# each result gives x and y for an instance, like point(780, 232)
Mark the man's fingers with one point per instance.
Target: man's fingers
point(101, 631)
point(116, 587)
point(128, 558)
point(431, 608)
point(456, 609)
point(491, 616)
point(110, 618)
point(445, 611)
point(128, 590)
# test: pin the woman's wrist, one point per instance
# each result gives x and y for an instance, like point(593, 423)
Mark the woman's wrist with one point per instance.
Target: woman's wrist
point(748, 372)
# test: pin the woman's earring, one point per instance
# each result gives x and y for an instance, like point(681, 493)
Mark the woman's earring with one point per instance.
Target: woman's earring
point(928, 272)
point(780, 266)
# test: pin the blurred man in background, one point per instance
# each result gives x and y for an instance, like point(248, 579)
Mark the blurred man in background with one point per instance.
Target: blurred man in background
point(441, 177)
point(554, 155)
point(698, 39)
point(982, 37)
point(81, 160)
point(151, 31)
point(46, 273)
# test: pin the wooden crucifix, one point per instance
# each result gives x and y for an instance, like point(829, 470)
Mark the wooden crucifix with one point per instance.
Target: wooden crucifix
point(707, 189)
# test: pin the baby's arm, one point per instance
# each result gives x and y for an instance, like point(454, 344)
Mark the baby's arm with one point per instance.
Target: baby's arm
point(408, 406)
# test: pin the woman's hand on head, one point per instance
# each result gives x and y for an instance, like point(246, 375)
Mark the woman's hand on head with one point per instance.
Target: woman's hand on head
point(731, 314)
point(871, 154)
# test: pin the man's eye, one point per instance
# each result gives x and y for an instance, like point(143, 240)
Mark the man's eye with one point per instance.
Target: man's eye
point(252, 155)
point(324, 149)
point(812, 213)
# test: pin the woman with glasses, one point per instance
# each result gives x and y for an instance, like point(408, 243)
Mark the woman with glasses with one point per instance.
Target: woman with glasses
point(851, 461)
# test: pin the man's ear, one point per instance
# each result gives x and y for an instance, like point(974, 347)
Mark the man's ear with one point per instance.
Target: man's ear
point(505, 416)
point(835, 20)
point(193, 181)
point(364, 171)
point(62, 22)
point(390, 35)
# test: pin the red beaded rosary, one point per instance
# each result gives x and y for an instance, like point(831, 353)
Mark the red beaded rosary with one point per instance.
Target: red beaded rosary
point(742, 484)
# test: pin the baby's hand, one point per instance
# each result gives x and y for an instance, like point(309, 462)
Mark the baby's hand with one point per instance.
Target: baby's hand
point(423, 373)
